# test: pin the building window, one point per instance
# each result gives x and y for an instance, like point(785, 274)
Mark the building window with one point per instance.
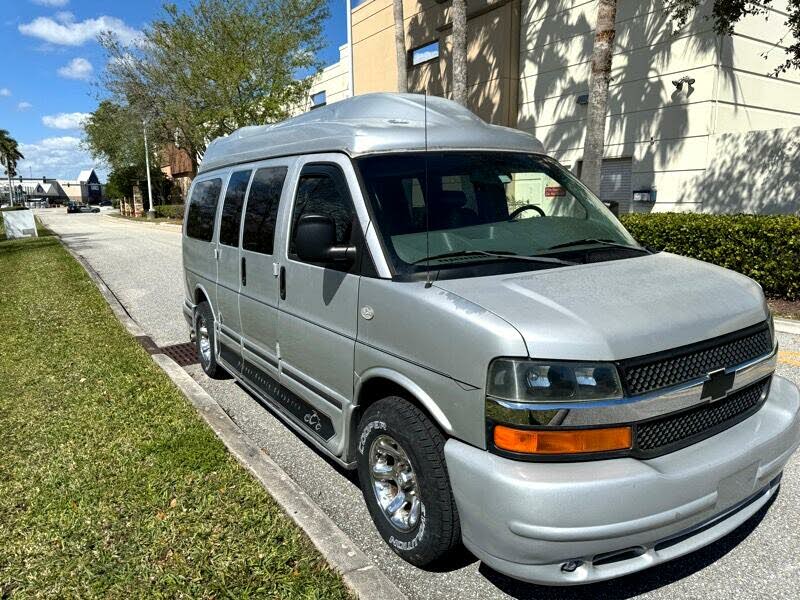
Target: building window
point(318, 99)
point(425, 53)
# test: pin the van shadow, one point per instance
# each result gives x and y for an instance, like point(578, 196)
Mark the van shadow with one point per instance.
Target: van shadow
point(637, 583)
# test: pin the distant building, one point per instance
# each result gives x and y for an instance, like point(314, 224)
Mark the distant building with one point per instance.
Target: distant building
point(86, 189)
point(176, 164)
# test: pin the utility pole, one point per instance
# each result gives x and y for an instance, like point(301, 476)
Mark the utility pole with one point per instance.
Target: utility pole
point(351, 80)
point(151, 213)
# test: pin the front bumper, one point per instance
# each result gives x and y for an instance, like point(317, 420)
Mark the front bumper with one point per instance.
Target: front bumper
point(620, 515)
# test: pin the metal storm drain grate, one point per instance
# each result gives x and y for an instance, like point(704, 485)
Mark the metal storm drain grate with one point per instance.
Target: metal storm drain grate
point(183, 354)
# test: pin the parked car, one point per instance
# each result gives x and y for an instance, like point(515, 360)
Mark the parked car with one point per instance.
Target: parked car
point(105, 203)
point(439, 304)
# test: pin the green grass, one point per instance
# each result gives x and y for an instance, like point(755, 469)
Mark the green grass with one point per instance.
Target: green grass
point(110, 484)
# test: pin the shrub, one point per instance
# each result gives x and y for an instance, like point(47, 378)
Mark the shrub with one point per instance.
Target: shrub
point(170, 211)
point(764, 247)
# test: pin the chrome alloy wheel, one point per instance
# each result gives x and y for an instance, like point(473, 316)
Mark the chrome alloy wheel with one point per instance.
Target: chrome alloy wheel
point(394, 483)
point(203, 339)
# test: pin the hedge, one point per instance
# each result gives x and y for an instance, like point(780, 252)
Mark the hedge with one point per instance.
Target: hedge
point(764, 247)
point(170, 211)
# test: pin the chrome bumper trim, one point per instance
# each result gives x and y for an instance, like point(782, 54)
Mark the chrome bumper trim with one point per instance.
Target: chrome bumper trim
point(626, 409)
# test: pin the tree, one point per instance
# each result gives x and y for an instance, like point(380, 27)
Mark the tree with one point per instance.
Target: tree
point(727, 13)
point(459, 10)
point(400, 47)
point(204, 71)
point(9, 156)
point(594, 145)
point(113, 134)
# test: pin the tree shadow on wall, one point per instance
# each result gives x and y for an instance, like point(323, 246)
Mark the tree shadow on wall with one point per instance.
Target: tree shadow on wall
point(753, 172)
point(648, 117)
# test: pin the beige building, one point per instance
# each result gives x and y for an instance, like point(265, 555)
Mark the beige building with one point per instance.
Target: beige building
point(695, 121)
point(331, 85)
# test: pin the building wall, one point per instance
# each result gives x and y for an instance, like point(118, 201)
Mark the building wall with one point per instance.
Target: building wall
point(492, 52)
point(671, 136)
point(334, 80)
point(529, 62)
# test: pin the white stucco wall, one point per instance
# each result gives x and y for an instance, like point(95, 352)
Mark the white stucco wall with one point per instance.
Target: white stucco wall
point(672, 136)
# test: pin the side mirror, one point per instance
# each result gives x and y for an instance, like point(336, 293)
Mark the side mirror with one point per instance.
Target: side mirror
point(315, 241)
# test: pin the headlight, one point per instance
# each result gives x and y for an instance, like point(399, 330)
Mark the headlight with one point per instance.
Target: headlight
point(520, 380)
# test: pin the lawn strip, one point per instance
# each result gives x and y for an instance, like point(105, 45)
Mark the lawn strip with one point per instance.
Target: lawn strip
point(110, 483)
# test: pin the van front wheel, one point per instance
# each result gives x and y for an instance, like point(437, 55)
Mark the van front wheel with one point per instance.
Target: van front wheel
point(403, 476)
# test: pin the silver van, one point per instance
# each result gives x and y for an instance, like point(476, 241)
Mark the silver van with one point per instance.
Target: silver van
point(437, 303)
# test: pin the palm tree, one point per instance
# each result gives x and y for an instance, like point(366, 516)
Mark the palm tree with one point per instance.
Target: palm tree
point(9, 155)
point(605, 32)
point(459, 8)
point(400, 47)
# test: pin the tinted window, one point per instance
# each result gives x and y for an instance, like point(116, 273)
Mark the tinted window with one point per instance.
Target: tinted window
point(262, 210)
point(322, 190)
point(318, 99)
point(203, 209)
point(425, 53)
point(232, 208)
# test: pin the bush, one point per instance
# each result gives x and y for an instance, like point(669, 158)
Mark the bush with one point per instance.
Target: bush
point(170, 211)
point(764, 247)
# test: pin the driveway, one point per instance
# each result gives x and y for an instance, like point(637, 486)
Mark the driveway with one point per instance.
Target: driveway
point(141, 263)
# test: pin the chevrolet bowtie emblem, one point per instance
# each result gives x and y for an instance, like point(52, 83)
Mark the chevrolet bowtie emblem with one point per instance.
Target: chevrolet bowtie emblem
point(718, 385)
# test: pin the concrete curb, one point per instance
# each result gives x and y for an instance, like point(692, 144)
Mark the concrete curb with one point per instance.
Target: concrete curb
point(360, 574)
point(121, 219)
point(787, 326)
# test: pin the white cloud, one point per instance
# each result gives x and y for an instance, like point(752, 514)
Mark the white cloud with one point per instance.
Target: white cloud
point(65, 31)
point(54, 3)
point(61, 157)
point(73, 120)
point(5, 92)
point(77, 68)
point(24, 106)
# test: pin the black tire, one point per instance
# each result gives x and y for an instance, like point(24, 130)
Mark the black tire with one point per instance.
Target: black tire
point(437, 531)
point(204, 317)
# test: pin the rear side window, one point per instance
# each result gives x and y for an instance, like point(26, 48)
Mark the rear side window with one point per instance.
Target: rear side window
point(231, 217)
point(203, 209)
point(262, 210)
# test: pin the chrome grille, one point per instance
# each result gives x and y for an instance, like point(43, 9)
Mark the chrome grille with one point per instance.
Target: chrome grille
point(663, 370)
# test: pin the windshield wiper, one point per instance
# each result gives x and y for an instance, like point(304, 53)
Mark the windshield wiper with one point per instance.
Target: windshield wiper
point(602, 242)
point(499, 254)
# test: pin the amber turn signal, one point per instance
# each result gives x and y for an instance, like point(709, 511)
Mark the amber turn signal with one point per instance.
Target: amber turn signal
point(562, 441)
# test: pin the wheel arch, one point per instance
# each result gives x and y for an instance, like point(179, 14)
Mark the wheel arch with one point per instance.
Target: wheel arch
point(380, 382)
point(201, 295)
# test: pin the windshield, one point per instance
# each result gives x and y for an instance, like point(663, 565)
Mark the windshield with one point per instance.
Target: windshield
point(481, 207)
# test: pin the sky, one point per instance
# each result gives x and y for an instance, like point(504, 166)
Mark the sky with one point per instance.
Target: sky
point(50, 63)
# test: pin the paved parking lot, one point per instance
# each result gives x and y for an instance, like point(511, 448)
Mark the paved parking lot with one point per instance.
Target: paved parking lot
point(142, 265)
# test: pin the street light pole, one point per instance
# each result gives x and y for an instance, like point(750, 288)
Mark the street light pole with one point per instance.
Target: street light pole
point(151, 213)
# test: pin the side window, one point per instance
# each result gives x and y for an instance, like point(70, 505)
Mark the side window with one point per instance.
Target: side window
point(322, 190)
point(262, 209)
point(203, 209)
point(231, 217)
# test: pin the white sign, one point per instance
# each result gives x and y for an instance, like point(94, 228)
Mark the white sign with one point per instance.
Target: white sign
point(19, 224)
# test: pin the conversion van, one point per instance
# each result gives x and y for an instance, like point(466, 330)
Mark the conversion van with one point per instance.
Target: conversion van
point(437, 303)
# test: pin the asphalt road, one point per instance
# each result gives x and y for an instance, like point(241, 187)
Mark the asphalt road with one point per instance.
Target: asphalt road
point(141, 263)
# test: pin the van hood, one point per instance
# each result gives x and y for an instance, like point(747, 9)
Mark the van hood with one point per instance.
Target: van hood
point(618, 309)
